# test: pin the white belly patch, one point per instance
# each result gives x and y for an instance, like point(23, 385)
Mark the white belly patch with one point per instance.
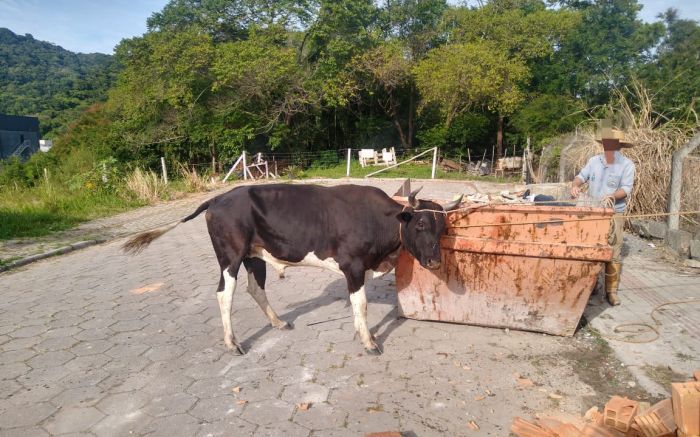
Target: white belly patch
point(310, 260)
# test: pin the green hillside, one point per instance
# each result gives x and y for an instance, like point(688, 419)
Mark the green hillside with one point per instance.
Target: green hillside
point(41, 79)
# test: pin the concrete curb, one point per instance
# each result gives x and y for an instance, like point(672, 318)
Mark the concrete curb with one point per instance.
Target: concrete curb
point(50, 253)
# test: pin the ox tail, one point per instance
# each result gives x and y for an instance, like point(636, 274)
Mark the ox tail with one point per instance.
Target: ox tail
point(139, 242)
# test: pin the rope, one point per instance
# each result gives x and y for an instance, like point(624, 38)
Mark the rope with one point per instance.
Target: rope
point(588, 219)
point(648, 327)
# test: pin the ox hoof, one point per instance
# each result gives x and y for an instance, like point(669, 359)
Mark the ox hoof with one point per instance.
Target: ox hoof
point(284, 326)
point(375, 350)
point(235, 348)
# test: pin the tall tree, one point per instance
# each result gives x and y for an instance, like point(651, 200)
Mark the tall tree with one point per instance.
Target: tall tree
point(415, 24)
point(227, 20)
point(673, 76)
point(497, 40)
point(600, 52)
point(386, 73)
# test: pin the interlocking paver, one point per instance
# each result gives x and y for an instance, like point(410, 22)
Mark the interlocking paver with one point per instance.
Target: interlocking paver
point(27, 416)
point(267, 411)
point(85, 377)
point(50, 359)
point(25, 432)
point(209, 388)
point(127, 350)
point(308, 392)
point(168, 426)
point(292, 374)
point(281, 428)
point(30, 394)
point(123, 404)
point(13, 370)
point(170, 404)
point(217, 408)
point(121, 424)
point(321, 416)
point(78, 397)
point(227, 427)
point(91, 347)
point(73, 419)
point(56, 343)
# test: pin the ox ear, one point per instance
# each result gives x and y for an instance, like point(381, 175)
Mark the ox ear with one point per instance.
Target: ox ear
point(405, 215)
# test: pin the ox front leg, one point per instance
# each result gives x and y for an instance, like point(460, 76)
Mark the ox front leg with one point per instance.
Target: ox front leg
point(256, 288)
point(359, 310)
point(259, 295)
point(225, 298)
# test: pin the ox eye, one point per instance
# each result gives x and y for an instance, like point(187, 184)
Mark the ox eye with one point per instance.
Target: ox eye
point(420, 226)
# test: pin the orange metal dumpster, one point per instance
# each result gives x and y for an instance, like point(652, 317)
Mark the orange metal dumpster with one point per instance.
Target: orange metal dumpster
point(535, 277)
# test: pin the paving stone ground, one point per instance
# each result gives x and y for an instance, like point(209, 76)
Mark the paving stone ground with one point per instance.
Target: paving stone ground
point(97, 343)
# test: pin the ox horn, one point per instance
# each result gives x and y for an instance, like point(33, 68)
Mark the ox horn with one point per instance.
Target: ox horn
point(412, 198)
point(453, 205)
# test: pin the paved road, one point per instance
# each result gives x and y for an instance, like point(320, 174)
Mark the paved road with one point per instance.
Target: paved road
point(99, 343)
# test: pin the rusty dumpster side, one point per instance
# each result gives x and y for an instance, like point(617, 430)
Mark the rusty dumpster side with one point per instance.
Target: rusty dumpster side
point(536, 276)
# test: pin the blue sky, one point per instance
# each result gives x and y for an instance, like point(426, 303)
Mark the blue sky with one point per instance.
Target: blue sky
point(98, 25)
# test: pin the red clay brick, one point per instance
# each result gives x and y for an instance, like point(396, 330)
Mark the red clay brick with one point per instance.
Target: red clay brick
point(594, 430)
point(619, 413)
point(657, 421)
point(559, 428)
point(686, 407)
point(523, 428)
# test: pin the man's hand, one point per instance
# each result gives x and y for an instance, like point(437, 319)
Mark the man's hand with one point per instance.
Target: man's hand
point(608, 201)
point(575, 191)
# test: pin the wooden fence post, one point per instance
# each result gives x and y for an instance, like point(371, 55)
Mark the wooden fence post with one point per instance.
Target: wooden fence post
point(245, 167)
point(347, 172)
point(435, 152)
point(165, 173)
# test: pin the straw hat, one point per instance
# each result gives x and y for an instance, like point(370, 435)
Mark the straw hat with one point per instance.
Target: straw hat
point(609, 133)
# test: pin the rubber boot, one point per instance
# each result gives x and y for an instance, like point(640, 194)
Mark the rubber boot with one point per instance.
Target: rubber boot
point(612, 279)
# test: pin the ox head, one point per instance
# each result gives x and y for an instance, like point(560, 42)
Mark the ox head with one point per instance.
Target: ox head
point(422, 225)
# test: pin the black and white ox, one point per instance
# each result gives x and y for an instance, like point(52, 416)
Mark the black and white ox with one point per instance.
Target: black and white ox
point(350, 229)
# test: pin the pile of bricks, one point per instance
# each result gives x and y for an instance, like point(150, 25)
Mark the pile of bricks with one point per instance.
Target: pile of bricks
point(678, 416)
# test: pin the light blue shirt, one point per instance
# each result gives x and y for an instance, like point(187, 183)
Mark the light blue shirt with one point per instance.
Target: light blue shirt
point(604, 179)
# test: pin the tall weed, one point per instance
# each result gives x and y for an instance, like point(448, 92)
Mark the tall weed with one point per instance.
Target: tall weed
point(146, 186)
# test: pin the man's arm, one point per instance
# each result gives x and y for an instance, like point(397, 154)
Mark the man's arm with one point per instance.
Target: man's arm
point(576, 186)
point(626, 184)
point(580, 179)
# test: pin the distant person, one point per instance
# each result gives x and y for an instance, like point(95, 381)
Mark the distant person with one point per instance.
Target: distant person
point(610, 178)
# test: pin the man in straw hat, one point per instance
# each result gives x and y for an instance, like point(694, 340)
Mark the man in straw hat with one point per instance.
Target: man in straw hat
point(610, 178)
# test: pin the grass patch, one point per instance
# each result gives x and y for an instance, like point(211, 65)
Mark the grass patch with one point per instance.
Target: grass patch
point(7, 261)
point(38, 211)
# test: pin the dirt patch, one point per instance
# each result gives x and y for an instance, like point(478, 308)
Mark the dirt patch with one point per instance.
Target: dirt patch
point(595, 363)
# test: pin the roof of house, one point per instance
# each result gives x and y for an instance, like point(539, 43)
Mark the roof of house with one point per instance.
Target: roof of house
point(19, 123)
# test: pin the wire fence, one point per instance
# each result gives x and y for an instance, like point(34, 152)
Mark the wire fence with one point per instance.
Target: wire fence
point(290, 163)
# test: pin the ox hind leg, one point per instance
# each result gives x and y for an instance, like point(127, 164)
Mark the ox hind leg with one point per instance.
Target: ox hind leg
point(224, 295)
point(227, 253)
point(358, 299)
point(256, 288)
